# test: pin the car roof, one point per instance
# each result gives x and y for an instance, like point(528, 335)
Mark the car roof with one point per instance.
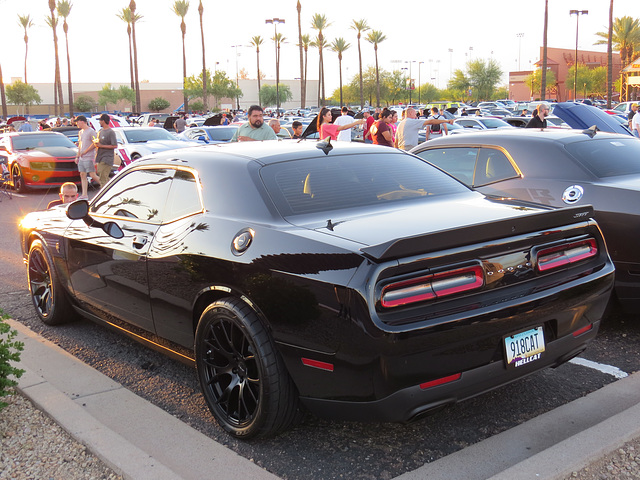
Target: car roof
point(518, 135)
point(264, 152)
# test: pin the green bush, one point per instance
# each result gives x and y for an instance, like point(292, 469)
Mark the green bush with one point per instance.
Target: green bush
point(9, 352)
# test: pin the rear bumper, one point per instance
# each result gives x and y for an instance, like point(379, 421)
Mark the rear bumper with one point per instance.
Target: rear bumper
point(411, 402)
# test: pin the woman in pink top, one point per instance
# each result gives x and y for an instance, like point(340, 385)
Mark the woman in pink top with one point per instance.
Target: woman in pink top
point(328, 129)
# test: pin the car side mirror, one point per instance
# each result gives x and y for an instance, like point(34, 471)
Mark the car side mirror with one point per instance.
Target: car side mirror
point(113, 230)
point(202, 138)
point(78, 210)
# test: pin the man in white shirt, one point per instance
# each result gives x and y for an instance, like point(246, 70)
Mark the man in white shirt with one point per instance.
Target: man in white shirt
point(635, 122)
point(344, 119)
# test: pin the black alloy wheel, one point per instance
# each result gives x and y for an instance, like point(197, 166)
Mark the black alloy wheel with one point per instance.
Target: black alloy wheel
point(51, 304)
point(16, 179)
point(242, 376)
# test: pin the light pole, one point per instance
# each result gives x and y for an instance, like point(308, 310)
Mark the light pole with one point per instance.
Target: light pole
point(275, 22)
point(405, 80)
point(519, 35)
point(450, 63)
point(237, 86)
point(577, 13)
point(419, 83)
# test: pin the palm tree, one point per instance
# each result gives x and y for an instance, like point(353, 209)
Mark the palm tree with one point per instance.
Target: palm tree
point(320, 44)
point(180, 8)
point(64, 9)
point(376, 37)
point(339, 46)
point(305, 42)
point(134, 20)
point(626, 39)
point(26, 22)
point(543, 81)
point(3, 97)
point(303, 93)
point(320, 23)
point(256, 42)
point(57, 84)
point(204, 67)
point(125, 16)
point(360, 26)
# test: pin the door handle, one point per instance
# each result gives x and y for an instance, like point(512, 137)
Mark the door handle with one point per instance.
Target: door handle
point(139, 241)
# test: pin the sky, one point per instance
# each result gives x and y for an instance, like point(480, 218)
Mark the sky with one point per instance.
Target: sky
point(443, 35)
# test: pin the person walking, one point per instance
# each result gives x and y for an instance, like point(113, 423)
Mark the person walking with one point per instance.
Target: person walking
point(635, 122)
point(86, 156)
point(367, 127)
point(180, 124)
point(632, 113)
point(105, 145)
point(409, 127)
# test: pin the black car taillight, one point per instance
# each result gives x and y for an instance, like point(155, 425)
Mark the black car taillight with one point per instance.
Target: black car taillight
point(429, 287)
point(561, 255)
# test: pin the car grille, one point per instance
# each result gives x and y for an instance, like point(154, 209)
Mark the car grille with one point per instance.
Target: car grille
point(54, 166)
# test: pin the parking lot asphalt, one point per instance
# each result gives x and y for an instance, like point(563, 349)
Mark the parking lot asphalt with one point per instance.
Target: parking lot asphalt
point(139, 440)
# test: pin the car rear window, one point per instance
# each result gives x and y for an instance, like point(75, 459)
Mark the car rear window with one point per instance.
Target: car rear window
point(608, 157)
point(347, 181)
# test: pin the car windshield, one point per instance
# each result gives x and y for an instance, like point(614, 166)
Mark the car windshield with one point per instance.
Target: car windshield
point(494, 123)
point(608, 157)
point(221, 134)
point(29, 142)
point(141, 135)
point(347, 181)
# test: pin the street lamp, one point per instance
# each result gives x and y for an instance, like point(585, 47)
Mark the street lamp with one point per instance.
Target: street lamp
point(419, 83)
point(450, 63)
point(275, 22)
point(237, 86)
point(519, 35)
point(405, 81)
point(577, 13)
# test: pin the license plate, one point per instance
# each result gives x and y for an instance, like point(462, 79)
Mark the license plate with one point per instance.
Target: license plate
point(524, 347)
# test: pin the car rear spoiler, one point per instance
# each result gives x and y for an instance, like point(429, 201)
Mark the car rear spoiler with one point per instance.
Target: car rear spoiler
point(482, 232)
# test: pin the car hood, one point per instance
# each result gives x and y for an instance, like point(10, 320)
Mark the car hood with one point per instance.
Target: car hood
point(46, 152)
point(435, 224)
point(162, 145)
point(581, 116)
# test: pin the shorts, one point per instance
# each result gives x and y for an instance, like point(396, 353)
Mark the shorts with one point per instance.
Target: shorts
point(86, 165)
point(103, 172)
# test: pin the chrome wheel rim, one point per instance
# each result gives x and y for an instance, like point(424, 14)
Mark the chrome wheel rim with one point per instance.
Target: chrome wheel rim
point(40, 283)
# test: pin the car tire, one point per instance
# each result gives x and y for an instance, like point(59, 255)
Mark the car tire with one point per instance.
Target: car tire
point(49, 298)
point(17, 180)
point(243, 377)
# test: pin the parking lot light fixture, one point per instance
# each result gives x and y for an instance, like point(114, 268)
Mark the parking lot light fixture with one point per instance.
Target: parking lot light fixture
point(577, 13)
point(275, 22)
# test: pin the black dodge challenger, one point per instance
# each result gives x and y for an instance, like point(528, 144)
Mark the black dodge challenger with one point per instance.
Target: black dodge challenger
point(353, 281)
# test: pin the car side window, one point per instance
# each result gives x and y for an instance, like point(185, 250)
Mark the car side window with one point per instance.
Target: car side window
point(459, 162)
point(467, 123)
point(184, 197)
point(493, 166)
point(140, 194)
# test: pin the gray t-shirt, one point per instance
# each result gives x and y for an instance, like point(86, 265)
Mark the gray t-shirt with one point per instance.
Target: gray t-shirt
point(407, 132)
point(84, 140)
point(107, 137)
point(180, 125)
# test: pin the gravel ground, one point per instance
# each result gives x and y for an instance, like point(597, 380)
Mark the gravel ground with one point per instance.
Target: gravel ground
point(34, 446)
point(624, 463)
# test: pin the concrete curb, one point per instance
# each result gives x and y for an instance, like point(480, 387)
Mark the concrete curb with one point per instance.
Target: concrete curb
point(129, 434)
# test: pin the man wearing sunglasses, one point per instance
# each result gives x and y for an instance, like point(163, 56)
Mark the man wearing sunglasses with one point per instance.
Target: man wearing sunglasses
point(539, 120)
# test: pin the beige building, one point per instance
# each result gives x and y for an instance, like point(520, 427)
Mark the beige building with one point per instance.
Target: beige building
point(169, 91)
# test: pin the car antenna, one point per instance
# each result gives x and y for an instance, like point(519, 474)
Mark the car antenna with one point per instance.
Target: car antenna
point(591, 131)
point(325, 145)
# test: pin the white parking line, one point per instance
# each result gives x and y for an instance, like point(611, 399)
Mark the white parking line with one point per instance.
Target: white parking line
point(608, 369)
